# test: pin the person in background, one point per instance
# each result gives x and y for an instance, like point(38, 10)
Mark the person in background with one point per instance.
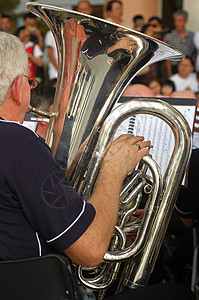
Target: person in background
point(156, 22)
point(138, 90)
point(42, 98)
point(154, 29)
point(155, 86)
point(84, 7)
point(185, 79)
point(30, 22)
point(183, 94)
point(181, 39)
point(53, 58)
point(6, 23)
point(154, 70)
point(114, 10)
point(196, 43)
point(167, 88)
point(149, 30)
point(36, 36)
point(33, 50)
point(138, 22)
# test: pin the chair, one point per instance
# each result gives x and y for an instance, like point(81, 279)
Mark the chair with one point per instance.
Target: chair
point(41, 278)
point(195, 271)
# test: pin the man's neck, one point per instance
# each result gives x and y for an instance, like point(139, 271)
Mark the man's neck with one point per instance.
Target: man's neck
point(3, 115)
point(184, 76)
point(116, 20)
point(182, 33)
point(8, 113)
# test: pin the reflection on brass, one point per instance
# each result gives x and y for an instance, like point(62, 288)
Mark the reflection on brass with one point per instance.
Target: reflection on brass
point(97, 60)
point(40, 112)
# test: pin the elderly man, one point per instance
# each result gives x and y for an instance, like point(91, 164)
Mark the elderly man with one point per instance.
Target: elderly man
point(180, 39)
point(45, 213)
point(40, 213)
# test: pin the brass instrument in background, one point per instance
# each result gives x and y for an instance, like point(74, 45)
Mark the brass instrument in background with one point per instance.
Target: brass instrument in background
point(97, 60)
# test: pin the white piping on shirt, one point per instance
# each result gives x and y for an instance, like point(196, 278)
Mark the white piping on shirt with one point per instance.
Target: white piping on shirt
point(86, 53)
point(53, 239)
point(2, 120)
point(6, 121)
point(182, 212)
point(39, 243)
point(63, 232)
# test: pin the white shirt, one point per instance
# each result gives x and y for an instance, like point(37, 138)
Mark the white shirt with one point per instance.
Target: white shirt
point(182, 84)
point(37, 52)
point(50, 42)
point(122, 23)
point(196, 43)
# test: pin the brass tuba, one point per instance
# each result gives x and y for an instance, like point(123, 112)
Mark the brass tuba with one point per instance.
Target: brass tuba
point(97, 60)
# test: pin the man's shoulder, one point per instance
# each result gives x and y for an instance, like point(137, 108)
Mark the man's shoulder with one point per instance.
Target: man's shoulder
point(14, 140)
point(193, 76)
point(171, 34)
point(196, 34)
point(175, 76)
point(29, 44)
point(14, 131)
point(190, 32)
point(49, 38)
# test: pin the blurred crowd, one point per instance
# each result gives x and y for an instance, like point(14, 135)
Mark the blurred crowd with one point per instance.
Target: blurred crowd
point(163, 78)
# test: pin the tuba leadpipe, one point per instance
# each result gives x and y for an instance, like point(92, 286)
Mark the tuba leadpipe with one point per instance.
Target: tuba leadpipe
point(37, 111)
point(95, 66)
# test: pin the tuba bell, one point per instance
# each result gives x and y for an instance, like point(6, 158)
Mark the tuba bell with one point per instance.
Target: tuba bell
point(97, 60)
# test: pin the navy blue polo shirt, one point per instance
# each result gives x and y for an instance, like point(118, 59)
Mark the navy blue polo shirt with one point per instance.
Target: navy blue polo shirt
point(40, 213)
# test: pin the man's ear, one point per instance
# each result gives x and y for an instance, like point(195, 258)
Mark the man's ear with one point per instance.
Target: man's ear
point(16, 90)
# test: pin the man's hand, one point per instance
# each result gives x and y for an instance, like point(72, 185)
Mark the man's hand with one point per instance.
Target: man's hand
point(120, 158)
point(124, 154)
point(123, 43)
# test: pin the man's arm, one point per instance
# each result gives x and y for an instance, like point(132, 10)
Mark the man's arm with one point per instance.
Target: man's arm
point(122, 156)
point(39, 37)
point(36, 60)
point(52, 58)
point(168, 69)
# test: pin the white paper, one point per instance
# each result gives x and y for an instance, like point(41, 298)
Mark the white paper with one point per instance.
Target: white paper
point(157, 131)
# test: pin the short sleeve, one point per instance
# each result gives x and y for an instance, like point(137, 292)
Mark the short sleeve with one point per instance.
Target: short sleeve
point(183, 205)
point(49, 40)
point(166, 38)
point(196, 40)
point(47, 199)
point(37, 52)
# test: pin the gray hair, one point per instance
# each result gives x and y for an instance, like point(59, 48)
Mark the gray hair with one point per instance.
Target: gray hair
point(181, 12)
point(13, 62)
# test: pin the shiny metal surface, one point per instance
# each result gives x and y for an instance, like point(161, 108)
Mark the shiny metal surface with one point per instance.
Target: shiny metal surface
point(95, 66)
point(158, 209)
point(97, 60)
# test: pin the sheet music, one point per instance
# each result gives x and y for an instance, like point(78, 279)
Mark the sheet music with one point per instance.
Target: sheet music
point(31, 125)
point(157, 131)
